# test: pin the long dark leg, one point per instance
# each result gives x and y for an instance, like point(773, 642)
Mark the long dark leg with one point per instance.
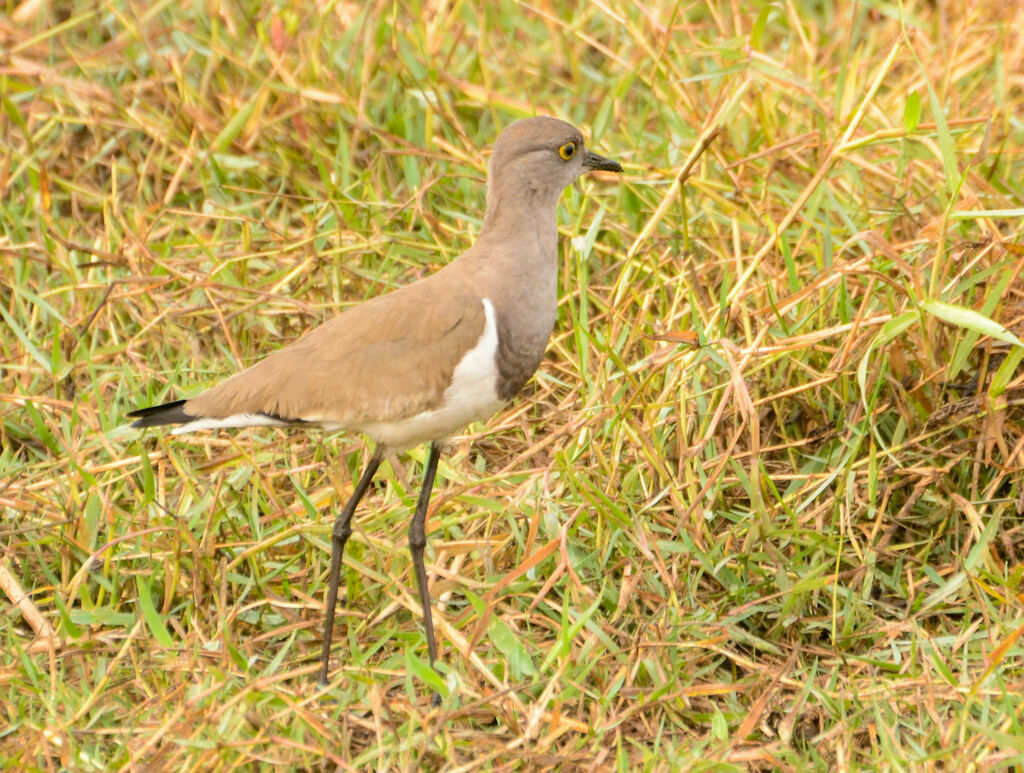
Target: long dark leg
point(340, 535)
point(418, 541)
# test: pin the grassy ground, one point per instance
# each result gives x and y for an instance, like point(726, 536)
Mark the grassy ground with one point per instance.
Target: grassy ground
point(762, 506)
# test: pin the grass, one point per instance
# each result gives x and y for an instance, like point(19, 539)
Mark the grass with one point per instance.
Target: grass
point(761, 507)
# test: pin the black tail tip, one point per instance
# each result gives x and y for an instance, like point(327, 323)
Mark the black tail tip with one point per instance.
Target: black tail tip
point(157, 415)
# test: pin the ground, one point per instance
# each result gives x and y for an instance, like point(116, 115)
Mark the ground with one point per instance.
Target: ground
point(760, 508)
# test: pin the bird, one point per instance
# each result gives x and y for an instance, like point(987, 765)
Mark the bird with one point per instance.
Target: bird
point(418, 364)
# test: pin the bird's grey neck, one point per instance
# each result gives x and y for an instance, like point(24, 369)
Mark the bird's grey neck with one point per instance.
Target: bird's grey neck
point(524, 212)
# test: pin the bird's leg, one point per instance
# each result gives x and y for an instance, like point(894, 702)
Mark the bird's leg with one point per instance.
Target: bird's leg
point(339, 536)
point(418, 541)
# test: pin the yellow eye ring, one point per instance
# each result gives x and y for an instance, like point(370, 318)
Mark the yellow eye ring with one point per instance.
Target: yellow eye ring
point(567, 151)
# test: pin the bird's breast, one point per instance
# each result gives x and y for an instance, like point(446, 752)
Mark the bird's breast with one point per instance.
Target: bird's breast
point(524, 327)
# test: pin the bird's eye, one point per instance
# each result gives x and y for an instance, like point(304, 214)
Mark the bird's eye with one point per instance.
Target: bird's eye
point(567, 151)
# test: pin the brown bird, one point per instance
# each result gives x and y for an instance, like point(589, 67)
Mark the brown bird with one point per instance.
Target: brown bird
point(418, 364)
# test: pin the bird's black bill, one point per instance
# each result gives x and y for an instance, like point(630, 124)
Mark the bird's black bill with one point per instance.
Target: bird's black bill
point(594, 161)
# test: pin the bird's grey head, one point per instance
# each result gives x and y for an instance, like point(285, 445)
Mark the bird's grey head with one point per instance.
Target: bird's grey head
point(537, 158)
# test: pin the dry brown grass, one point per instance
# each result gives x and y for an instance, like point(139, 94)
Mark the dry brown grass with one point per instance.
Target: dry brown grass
point(761, 508)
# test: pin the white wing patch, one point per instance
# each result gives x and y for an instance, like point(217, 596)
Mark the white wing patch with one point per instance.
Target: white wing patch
point(236, 421)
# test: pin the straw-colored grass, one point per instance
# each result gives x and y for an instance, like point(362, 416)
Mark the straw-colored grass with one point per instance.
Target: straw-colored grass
point(761, 506)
